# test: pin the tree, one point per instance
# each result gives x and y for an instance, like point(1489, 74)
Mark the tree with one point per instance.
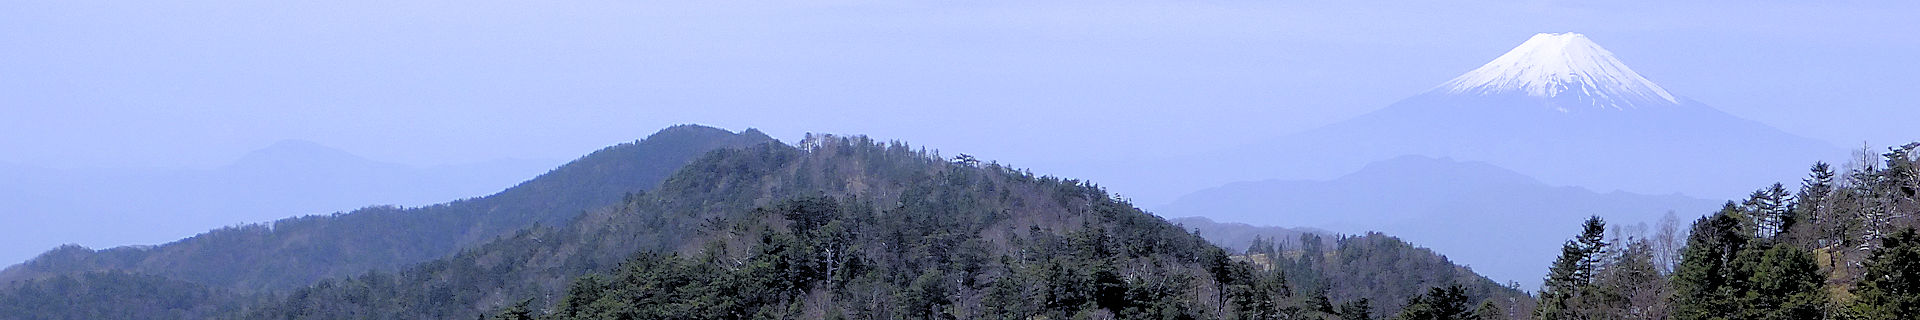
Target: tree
point(1667, 242)
point(1489, 311)
point(1891, 289)
point(1785, 285)
point(1631, 286)
point(1439, 303)
point(1706, 283)
point(926, 297)
point(1769, 209)
point(1570, 279)
point(1357, 310)
point(1814, 206)
point(518, 311)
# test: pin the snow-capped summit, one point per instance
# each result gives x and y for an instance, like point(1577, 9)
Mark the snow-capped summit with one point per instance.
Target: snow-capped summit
point(1565, 68)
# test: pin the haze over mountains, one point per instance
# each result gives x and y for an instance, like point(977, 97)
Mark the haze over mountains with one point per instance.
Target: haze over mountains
point(1503, 224)
point(1557, 107)
point(791, 224)
point(129, 206)
point(296, 251)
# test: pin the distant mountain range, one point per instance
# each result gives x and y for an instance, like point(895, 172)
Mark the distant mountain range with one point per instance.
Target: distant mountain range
point(1558, 107)
point(833, 225)
point(294, 252)
point(1503, 224)
point(110, 207)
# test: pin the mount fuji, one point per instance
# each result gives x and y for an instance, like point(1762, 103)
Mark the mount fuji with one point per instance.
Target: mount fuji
point(1559, 108)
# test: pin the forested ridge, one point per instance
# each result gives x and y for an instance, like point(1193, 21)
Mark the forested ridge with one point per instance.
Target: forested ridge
point(838, 227)
point(854, 228)
point(1840, 246)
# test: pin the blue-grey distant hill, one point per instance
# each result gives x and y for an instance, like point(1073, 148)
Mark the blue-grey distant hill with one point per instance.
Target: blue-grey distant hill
point(1505, 225)
point(297, 251)
point(1558, 108)
point(127, 206)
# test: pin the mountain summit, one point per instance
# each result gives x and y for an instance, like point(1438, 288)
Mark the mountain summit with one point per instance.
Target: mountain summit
point(1566, 69)
point(1558, 108)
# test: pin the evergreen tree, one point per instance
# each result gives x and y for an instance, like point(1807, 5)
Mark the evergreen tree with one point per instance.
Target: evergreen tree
point(518, 311)
point(1489, 311)
point(1570, 280)
point(1707, 282)
point(1361, 309)
point(1813, 206)
point(1439, 303)
point(1769, 210)
point(1891, 289)
point(1785, 285)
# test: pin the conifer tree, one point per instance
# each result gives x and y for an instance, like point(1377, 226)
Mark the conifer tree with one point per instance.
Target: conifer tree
point(1570, 279)
point(1357, 310)
point(1891, 289)
point(1489, 311)
point(1439, 303)
point(1785, 285)
point(1706, 282)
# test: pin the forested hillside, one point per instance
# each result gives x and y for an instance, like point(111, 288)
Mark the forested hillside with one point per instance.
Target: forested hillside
point(1381, 269)
point(297, 252)
point(1377, 268)
point(1840, 246)
point(838, 227)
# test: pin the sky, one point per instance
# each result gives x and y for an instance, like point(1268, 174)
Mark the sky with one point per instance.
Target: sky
point(1045, 85)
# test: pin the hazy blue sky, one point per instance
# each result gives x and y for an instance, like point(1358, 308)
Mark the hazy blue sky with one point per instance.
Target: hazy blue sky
point(1046, 85)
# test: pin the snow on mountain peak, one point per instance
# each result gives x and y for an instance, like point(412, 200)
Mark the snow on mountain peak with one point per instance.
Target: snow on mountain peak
point(1562, 66)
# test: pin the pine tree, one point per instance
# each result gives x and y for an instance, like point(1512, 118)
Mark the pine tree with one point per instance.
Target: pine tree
point(1785, 285)
point(1814, 206)
point(1769, 209)
point(1439, 303)
point(1570, 279)
point(1357, 310)
point(1707, 282)
point(1891, 288)
point(1489, 311)
point(518, 311)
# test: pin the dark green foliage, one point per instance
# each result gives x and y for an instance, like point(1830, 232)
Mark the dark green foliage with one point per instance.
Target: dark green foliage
point(1785, 285)
point(519, 311)
point(1708, 280)
point(1489, 311)
point(1569, 291)
point(1357, 310)
point(112, 295)
point(1725, 273)
point(1439, 303)
point(1891, 288)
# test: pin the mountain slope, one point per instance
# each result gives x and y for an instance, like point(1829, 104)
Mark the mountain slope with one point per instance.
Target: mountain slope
point(1568, 114)
point(1373, 266)
point(1459, 208)
point(288, 178)
point(842, 226)
point(298, 251)
point(1568, 71)
point(1238, 237)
